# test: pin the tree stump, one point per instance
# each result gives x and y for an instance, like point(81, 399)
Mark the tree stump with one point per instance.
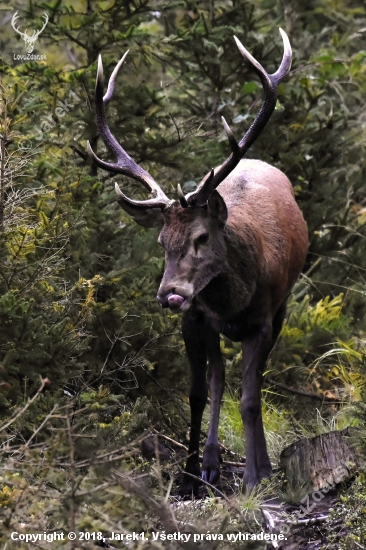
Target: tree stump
point(320, 462)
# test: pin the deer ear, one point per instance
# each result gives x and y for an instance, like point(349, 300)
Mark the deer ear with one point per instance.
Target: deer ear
point(147, 217)
point(217, 207)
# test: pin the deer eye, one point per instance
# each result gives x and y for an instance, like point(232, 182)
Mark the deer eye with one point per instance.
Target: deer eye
point(202, 239)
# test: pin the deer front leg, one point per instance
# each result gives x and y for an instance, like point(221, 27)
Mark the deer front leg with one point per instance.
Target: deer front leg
point(256, 348)
point(216, 374)
point(193, 329)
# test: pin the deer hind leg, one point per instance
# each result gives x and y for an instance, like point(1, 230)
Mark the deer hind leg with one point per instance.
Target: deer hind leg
point(263, 463)
point(278, 322)
point(193, 329)
point(216, 375)
point(256, 348)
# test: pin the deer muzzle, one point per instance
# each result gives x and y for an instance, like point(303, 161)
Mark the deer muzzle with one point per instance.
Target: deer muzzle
point(175, 301)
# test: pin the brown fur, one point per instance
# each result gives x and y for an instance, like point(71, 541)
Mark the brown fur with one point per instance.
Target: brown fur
point(260, 252)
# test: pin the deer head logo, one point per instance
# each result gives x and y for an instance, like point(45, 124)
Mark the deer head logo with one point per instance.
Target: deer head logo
point(29, 40)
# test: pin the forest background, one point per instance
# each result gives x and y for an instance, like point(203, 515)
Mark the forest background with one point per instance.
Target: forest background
point(78, 278)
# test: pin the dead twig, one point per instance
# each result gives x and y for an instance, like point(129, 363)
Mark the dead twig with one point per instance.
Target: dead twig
point(227, 500)
point(22, 410)
point(185, 448)
point(303, 393)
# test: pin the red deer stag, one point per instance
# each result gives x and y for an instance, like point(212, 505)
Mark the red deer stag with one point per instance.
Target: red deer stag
point(234, 247)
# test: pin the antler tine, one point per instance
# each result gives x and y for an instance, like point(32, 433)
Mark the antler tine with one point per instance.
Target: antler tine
point(181, 197)
point(233, 143)
point(112, 79)
point(125, 164)
point(285, 67)
point(148, 203)
point(270, 84)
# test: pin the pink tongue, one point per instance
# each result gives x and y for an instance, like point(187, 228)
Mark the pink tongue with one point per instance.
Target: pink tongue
point(175, 301)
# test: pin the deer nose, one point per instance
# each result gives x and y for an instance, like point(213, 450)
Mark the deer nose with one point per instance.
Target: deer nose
point(163, 299)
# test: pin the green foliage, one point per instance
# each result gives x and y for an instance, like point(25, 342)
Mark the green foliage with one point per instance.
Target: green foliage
point(350, 515)
point(277, 421)
point(308, 330)
point(299, 356)
point(182, 73)
point(92, 479)
point(78, 278)
point(42, 326)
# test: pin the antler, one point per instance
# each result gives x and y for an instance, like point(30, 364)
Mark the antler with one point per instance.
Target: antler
point(124, 165)
point(44, 25)
point(270, 84)
point(13, 21)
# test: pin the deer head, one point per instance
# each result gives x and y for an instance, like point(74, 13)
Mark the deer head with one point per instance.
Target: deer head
point(29, 40)
point(193, 234)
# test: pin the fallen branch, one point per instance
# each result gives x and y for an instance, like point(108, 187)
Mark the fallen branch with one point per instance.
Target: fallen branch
point(176, 443)
point(303, 393)
point(181, 446)
point(237, 464)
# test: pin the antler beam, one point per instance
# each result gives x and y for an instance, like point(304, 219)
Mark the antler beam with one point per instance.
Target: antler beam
point(125, 164)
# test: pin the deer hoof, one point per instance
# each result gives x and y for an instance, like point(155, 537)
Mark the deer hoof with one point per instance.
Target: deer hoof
point(190, 485)
point(211, 476)
point(250, 482)
point(211, 463)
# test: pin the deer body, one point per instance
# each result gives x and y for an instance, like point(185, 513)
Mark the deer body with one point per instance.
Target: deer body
point(262, 251)
point(233, 250)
